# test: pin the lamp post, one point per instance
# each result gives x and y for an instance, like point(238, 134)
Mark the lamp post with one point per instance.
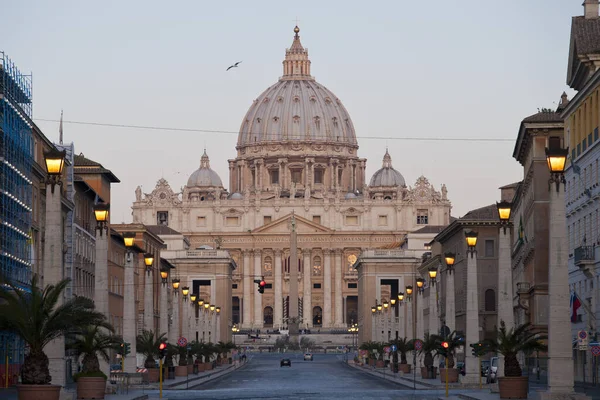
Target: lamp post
point(129, 320)
point(163, 297)
point(174, 330)
point(149, 293)
point(101, 212)
point(505, 291)
point(374, 323)
point(560, 356)
point(53, 260)
point(472, 311)
point(393, 318)
point(433, 320)
point(450, 317)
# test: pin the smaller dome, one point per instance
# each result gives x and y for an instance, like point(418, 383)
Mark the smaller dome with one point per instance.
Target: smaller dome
point(204, 176)
point(387, 175)
point(236, 196)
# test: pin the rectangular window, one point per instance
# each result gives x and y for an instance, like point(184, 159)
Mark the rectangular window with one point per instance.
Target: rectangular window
point(489, 248)
point(422, 217)
point(318, 176)
point(352, 220)
point(589, 140)
point(268, 286)
point(316, 286)
point(162, 218)
point(266, 219)
point(232, 221)
point(296, 175)
point(234, 286)
point(274, 177)
point(383, 220)
point(317, 219)
point(201, 221)
point(352, 285)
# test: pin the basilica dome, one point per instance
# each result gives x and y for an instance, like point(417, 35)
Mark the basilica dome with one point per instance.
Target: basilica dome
point(204, 176)
point(387, 175)
point(297, 108)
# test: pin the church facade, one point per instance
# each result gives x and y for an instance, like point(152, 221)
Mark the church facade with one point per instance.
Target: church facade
point(297, 155)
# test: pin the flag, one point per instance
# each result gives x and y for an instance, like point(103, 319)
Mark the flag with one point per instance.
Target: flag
point(575, 304)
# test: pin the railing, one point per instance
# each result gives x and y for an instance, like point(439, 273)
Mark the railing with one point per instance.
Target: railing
point(583, 254)
point(208, 253)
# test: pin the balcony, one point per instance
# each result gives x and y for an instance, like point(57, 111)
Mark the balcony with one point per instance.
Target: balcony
point(584, 255)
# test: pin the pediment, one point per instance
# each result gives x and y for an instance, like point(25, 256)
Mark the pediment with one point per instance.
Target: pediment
point(283, 225)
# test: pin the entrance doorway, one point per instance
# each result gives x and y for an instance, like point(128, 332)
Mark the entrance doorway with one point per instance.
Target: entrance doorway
point(268, 317)
point(317, 316)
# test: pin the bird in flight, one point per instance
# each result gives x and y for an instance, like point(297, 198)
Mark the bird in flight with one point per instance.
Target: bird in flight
point(234, 65)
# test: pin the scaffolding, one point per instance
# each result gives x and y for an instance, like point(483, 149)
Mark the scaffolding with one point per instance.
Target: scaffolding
point(16, 150)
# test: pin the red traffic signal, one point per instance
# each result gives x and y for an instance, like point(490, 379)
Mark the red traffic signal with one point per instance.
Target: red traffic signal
point(445, 345)
point(262, 283)
point(162, 346)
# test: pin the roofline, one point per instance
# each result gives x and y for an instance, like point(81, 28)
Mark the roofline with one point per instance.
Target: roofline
point(530, 125)
point(592, 82)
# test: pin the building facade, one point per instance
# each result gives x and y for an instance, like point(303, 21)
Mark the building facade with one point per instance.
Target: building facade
point(297, 155)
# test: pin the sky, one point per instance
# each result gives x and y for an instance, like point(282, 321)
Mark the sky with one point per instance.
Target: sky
point(441, 70)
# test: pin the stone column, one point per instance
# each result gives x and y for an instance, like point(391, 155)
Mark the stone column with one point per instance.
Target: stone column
point(101, 283)
point(505, 292)
point(149, 299)
point(54, 273)
point(338, 288)
point(472, 316)
point(129, 320)
point(164, 312)
point(174, 330)
point(450, 304)
point(258, 315)
point(326, 288)
point(185, 318)
point(247, 304)
point(278, 312)
point(218, 329)
point(307, 305)
point(420, 306)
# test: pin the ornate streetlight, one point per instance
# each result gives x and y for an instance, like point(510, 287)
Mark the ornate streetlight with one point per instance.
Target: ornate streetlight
point(557, 160)
point(450, 258)
point(164, 275)
point(420, 285)
point(175, 282)
point(409, 292)
point(55, 162)
point(148, 261)
point(432, 274)
point(193, 298)
point(471, 238)
point(504, 209)
point(185, 291)
point(400, 298)
point(101, 214)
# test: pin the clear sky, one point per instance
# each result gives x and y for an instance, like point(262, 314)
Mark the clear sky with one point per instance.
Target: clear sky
point(418, 69)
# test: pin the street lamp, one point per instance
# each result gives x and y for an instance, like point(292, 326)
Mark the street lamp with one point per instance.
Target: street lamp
point(393, 302)
point(504, 209)
point(373, 309)
point(200, 303)
point(379, 307)
point(400, 298)
point(55, 162)
point(193, 298)
point(385, 305)
point(409, 291)
point(164, 274)
point(148, 261)
point(101, 214)
point(218, 310)
point(175, 282)
point(557, 159)
point(129, 239)
point(450, 258)
point(212, 307)
point(432, 274)
point(471, 238)
point(184, 291)
point(420, 285)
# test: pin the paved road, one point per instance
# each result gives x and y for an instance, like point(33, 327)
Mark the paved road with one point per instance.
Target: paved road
point(324, 378)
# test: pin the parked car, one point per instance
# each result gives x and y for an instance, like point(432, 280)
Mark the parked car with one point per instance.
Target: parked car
point(308, 357)
point(491, 376)
point(485, 367)
point(285, 361)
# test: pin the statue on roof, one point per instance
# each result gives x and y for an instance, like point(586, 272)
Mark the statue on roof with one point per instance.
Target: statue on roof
point(444, 192)
point(138, 193)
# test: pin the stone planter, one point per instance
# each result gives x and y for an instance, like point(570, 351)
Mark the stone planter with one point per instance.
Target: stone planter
point(380, 364)
point(452, 375)
point(181, 370)
point(371, 362)
point(39, 392)
point(91, 387)
point(153, 374)
point(190, 369)
point(425, 373)
point(513, 387)
point(404, 368)
point(208, 366)
point(200, 367)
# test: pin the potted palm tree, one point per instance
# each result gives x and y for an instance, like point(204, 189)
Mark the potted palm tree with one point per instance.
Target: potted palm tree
point(454, 342)
point(378, 349)
point(147, 344)
point(403, 346)
point(431, 342)
point(509, 343)
point(91, 342)
point(38, 319)
point(370, 347)
point(182, 368)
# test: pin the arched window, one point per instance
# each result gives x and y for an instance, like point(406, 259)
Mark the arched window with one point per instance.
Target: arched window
point(268, 266)
point(268, 316)
point(490, 300)
point(317, 271)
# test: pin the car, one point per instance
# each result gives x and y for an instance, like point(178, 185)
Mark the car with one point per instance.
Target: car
point(285, 361)
point(493, 370)
point(485, 367)
point(308, 357)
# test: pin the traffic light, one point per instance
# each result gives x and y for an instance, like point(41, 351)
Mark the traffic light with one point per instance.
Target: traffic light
point(162, 350)
point(126, 349)
point(477, 349)
point(445, 346)
point(121, 350)
point(261, 285)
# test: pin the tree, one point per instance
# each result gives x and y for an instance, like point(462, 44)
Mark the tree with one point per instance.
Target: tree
point(147, 344)
point(510, 342)
point(431, 343)
point(403, 345)
point(38, 319)
point(454, 342)
point(91, 342)
point(183, 356)
point(306, 343)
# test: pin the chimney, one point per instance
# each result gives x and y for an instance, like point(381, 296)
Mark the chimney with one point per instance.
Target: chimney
point(590, 9)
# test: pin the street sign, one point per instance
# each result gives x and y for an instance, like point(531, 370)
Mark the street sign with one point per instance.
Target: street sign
point(394, 347)
point(418, 344)
point(582, 340)
point(182, 341)
point(386, 349)
point(595, 350)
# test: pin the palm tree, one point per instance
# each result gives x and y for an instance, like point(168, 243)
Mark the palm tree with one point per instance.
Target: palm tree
point(38, 319)
point(91, 342)
point(369, 346)
point(147, 344)
point(454, 342)
point(431, 343)
point(403, 345)
point(510, 342)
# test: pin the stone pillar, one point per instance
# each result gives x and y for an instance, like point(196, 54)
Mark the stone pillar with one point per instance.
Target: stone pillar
point(505, 292)
point(420, 306)
point(409, 317)
point(472, 316)
point(450, 304)
point(338, 289)
point(185, 318)
point(101, 283)
point(129, 320)
point(326, 288)
point(174, 330)
point(307, 305)
point(54, 273)
point(164, 312)
point(278, 312)
point(247, 304)
point(258, 315)
point(149, 299)
point(218, 329)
